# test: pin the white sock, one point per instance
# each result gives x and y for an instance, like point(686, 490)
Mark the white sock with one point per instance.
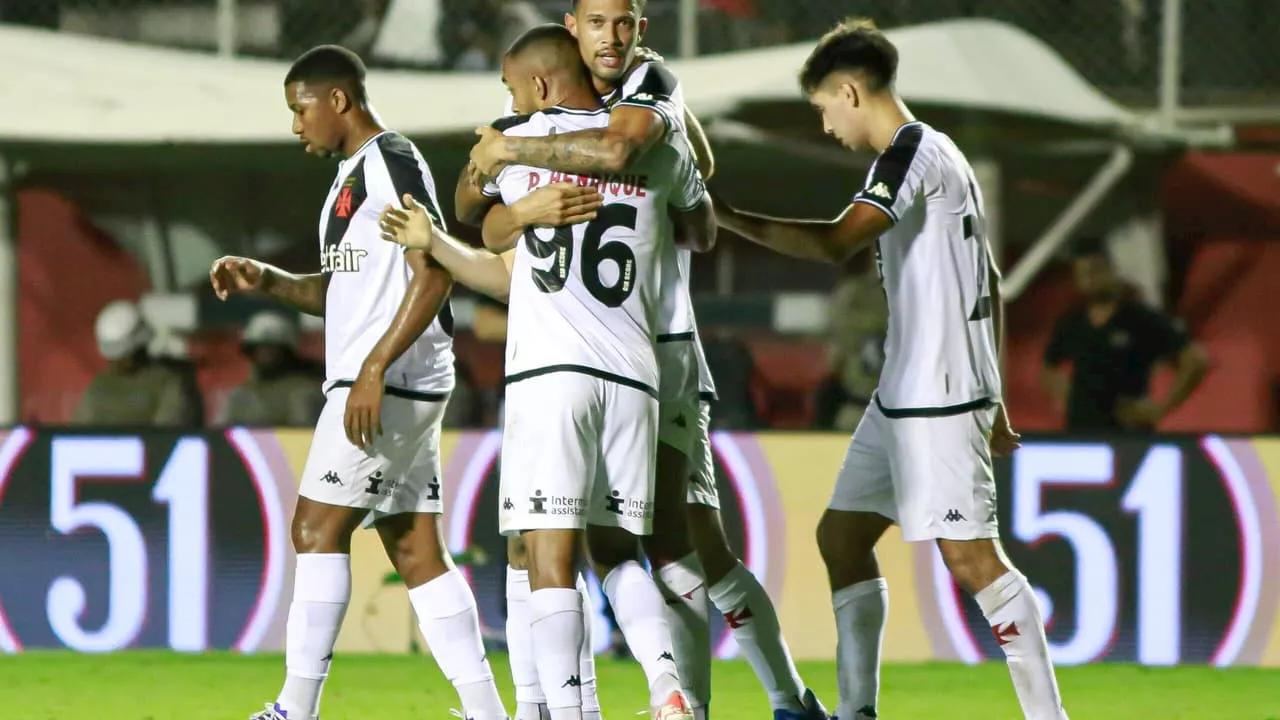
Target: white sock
point(1009, 604)
point(524, 672)
point(557, 634)
point(684, 588)
point(450, 623)
point(751, 616)
point(641, 615)
point(321, 591)
point(531, 711)
point(861, 610)
point(587, 662)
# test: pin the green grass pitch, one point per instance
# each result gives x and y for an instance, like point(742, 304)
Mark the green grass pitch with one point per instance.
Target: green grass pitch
point(222, 686)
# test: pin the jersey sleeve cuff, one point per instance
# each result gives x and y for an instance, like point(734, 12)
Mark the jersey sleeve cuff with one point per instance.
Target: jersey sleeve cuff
point(860, 198)
point(663, 112)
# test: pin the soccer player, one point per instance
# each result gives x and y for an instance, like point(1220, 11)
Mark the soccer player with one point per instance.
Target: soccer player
point(921, 456)
point(647, 104)
point(375, 455)
point(581, 373)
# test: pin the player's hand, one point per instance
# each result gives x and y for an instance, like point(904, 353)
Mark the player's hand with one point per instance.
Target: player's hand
point(231, 274)
point(645, 54)
point(409, 226)
point(486, 157)
point(363, 418)
point(1003, 439)
point(1139, 414)
point(558, 204)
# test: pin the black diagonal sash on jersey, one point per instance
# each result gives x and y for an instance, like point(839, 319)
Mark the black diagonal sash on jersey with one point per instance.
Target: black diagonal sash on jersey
point(406, 177)
point(891, 168)
point(351, 196)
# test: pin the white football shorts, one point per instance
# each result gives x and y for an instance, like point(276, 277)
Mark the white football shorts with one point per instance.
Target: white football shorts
point(930, 475)
point(399, 474)
point(577, 450)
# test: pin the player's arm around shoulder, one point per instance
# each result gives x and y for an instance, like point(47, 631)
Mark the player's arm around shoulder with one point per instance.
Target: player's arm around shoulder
point(632, 130)
point(471, 204)
point(555, 205)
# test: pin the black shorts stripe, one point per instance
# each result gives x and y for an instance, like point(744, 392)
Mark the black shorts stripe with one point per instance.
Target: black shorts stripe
point(414, 395)
point(675, 337)
point(582, 370)
point(708, 397)
point(927, 412)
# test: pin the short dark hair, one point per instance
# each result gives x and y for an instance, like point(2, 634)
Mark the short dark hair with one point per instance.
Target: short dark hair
point(546, 35)
point(1091, 246)
point(855, 44)
point(639, 5)
point(329, 63)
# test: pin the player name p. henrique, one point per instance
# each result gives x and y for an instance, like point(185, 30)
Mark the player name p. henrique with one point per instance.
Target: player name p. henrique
point(619, 185)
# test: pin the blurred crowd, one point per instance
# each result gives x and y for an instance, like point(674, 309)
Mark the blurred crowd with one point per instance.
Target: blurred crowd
point(1097, 367)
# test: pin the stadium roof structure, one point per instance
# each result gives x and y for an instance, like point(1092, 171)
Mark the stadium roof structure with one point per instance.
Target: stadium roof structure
point(86, 91)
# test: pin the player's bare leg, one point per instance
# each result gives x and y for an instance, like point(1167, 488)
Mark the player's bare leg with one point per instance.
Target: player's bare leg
point(531, 704)
point(1009, 604)
point(847, 541)
point(446, 609)
point(679, 578)
point(750, 614)
point(556, 618)
point(641, 614)
point(321, 592)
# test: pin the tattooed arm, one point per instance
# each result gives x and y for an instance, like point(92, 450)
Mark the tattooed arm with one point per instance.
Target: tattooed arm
point(631, 131)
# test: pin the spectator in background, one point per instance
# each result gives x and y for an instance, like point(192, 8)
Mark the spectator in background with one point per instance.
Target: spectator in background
point(170, 352)
point(858, 321)
point(134, 389)
point(284, 389)
point(1114, 341)
point(478, 32)
point(732, 369)
point(307, 23)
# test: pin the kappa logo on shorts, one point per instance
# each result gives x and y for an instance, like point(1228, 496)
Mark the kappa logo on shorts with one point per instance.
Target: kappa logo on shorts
point(331, 478)
point(507, 504)
point(538, 503)
point(614, 504)
point(953, 515)
point(433, 489)
point(680, 422)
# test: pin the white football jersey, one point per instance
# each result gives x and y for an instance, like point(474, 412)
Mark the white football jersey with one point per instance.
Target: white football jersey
point(940, 353)
point(651, 85)
point(586, 298)
point(368, 276)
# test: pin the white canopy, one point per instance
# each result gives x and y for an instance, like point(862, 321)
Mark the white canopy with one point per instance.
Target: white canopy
point(67, 88)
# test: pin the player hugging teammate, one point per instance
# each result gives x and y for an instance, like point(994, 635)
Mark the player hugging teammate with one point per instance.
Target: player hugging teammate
point(693, 566)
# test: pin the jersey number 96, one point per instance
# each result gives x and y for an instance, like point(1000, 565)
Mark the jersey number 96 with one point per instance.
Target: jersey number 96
point(595, 251)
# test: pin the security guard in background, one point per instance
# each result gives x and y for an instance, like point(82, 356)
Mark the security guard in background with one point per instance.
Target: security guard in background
point(284, 390)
